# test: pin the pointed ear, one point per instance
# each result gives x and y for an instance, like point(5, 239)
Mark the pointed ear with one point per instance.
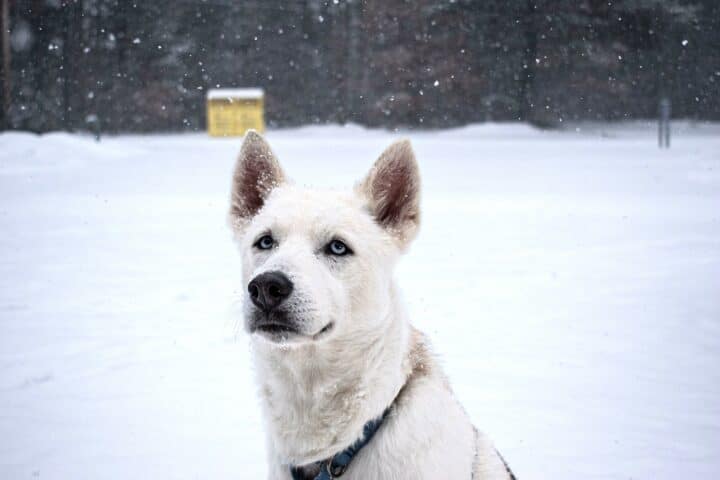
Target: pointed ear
point(392, 188)
point(257, 173)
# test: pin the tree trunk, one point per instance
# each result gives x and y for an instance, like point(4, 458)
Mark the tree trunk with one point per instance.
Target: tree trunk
point(5, 64)
point(354, 81)
point(527, 75)
point(71, 57)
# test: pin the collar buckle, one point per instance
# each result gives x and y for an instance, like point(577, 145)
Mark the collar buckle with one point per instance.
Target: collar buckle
point(335, 470)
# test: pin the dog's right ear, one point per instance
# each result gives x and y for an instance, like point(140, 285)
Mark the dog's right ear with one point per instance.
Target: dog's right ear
point(257, 173)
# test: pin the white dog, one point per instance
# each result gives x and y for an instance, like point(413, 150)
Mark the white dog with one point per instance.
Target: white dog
point(349, 388)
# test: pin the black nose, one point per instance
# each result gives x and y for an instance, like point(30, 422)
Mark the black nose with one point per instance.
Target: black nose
point(269, 289)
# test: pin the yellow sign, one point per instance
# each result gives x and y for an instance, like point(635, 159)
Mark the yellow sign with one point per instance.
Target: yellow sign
point(232, 112)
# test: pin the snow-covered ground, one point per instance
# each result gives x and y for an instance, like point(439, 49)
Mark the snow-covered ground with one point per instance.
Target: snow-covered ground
point(570, 280)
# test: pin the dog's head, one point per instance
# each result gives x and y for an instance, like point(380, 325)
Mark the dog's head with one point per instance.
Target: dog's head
point(318, 264)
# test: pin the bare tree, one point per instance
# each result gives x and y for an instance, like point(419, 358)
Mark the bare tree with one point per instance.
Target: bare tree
point(5, 64)
point(354, 84)
point(528, 73)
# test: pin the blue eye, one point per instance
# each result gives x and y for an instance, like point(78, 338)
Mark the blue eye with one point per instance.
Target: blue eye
point(337, 248)
point(266, 242)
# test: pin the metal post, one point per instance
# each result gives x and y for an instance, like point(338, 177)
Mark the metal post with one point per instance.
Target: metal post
point(93, 123)
point(664, 123)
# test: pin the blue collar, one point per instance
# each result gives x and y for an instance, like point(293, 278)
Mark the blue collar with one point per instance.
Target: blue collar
point(336, 465)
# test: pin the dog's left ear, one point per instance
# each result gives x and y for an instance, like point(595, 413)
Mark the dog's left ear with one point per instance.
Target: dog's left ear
point(392, 188)
point(257, 173)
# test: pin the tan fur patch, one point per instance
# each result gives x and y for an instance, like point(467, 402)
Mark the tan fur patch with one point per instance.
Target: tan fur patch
point(421, 363)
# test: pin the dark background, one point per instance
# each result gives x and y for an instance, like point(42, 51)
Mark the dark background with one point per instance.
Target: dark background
point(146, 65)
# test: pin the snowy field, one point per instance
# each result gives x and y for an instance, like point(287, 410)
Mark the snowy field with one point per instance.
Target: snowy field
point(570, 281)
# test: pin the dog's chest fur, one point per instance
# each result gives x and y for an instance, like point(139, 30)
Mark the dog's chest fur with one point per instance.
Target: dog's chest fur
point(427, 434)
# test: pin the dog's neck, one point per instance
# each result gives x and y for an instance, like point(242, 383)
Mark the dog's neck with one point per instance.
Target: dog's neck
point(318, 397)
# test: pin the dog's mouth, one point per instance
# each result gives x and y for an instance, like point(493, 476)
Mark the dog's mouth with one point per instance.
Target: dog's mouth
point(327, 328)
point(274, 328)
point(284, 331)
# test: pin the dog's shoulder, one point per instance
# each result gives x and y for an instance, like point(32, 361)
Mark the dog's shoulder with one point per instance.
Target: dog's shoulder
point(430, 405)
point(421, 363)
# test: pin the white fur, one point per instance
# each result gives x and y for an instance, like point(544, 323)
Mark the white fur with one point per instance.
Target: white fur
point(320, 387)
